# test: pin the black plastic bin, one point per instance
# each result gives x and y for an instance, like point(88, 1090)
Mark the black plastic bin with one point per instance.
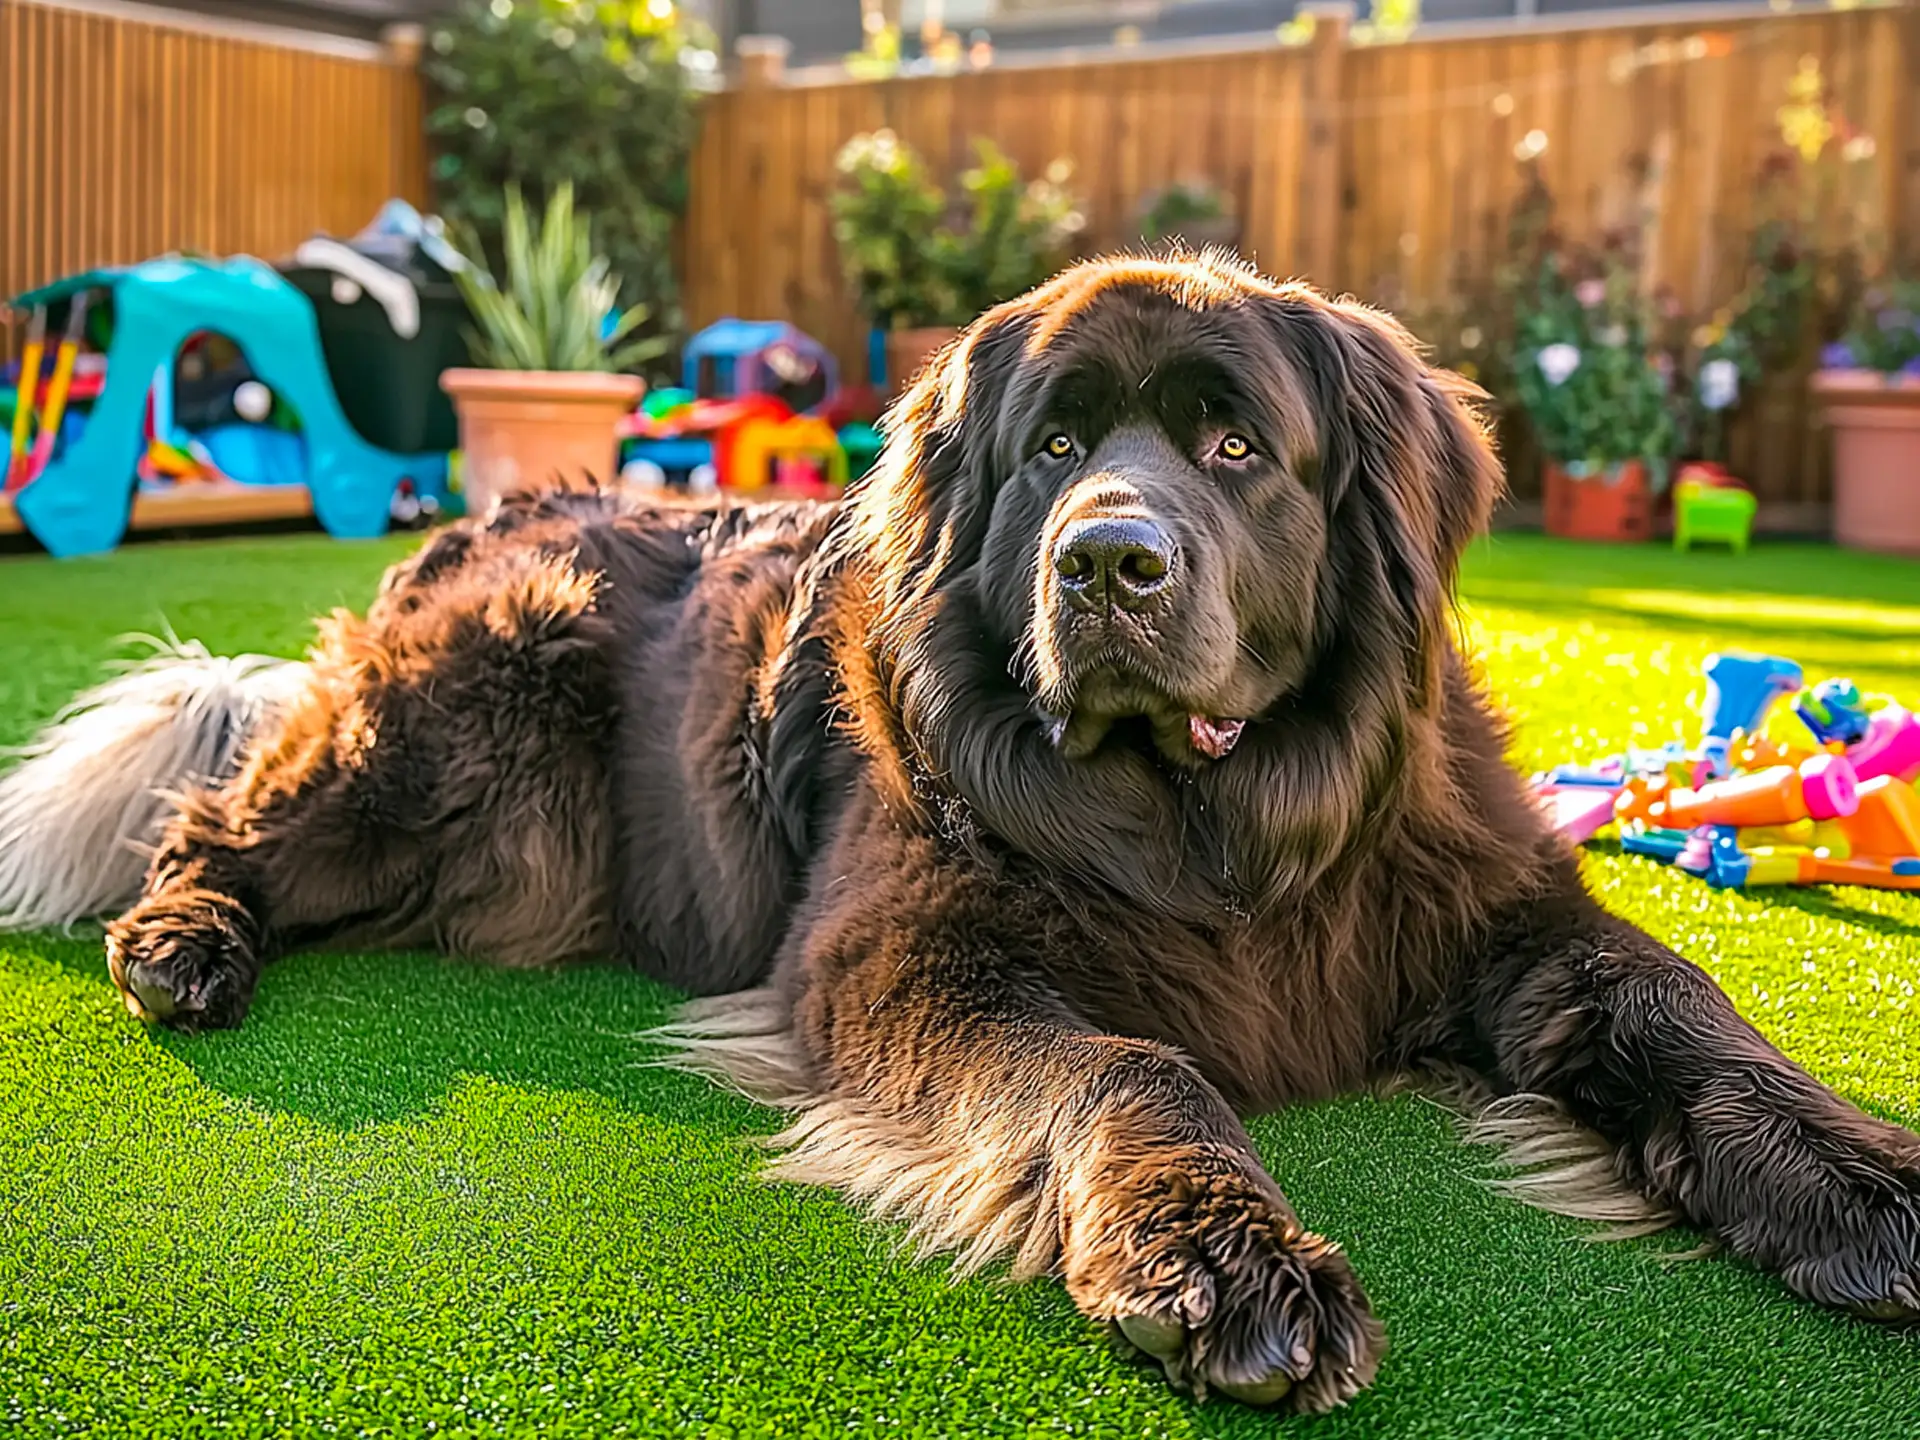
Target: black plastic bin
point(389, 386)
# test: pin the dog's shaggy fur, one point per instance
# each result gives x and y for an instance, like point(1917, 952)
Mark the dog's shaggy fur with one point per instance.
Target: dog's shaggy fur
point(1106, 767)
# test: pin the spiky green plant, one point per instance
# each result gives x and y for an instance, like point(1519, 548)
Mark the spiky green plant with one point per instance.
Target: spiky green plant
point(557, 309)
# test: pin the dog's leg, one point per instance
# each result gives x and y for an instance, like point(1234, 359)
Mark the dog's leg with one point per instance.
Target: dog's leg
point(943, 1087)
point(436, 781)
point(1708, 1117)
point(290, 850)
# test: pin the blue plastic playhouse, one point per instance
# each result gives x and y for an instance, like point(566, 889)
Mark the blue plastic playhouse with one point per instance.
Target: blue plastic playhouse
point(82, 500)
point(759, 357)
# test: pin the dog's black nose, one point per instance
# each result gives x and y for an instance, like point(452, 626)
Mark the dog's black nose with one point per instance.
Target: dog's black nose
point(1113, 560)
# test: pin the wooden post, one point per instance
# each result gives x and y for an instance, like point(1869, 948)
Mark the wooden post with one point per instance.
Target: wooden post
point(763, 60)
point(402, 43)
point(1316, 241)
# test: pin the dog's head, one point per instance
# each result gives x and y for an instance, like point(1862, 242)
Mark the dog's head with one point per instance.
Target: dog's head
point(1173, 510)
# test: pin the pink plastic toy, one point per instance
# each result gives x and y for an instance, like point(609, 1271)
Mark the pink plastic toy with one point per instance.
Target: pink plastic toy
point(1891, 746)
point(1577, 811)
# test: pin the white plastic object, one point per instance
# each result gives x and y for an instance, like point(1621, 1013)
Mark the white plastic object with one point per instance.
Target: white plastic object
point(252, 401)
point(393, 291)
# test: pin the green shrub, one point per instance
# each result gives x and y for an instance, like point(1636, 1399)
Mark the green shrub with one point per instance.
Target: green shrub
point(596, 94)
point(913, 258)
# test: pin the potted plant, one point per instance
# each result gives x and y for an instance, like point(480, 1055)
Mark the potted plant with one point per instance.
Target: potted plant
point(1594, 385)
point(923, 266)
point(541, 408)
point(1868, 387)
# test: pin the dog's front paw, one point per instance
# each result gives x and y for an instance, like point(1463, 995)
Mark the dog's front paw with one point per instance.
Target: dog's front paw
point(1820, 1193)
point(1866, 1259)
point(187, 958)
point(1214, 1278)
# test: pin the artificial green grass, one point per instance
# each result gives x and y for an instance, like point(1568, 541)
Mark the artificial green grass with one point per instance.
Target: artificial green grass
point(413, 1194)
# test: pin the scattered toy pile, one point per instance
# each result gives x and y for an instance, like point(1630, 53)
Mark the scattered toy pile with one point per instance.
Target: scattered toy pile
point(1819, 794)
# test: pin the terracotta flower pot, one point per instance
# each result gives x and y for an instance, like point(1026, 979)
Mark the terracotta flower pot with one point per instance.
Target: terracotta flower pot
point(1875, 420)
point(537, 429)
point(909, 350)
point(1611, 504)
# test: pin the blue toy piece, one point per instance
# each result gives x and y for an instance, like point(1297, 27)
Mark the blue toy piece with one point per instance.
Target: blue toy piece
point(257, 454)
point(1608, 775)
point(1729, 864)
point(79, 504)
point(731, 358)
point(1741, 689)
point(1662, 845)
point(1833, 710)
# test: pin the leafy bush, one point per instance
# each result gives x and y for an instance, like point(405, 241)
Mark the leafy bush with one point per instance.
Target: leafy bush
point(595, 94)
point(557, 309)
point(915, 259)
point(886, 220)
point(1194, 212)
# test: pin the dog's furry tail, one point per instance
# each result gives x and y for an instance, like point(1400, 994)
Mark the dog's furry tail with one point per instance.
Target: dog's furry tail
point(80, 812)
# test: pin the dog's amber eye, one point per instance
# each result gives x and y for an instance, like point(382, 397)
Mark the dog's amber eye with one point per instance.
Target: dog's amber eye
point(1059, 445)
point(1235, 447)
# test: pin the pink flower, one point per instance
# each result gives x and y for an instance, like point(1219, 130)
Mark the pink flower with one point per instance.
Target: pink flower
point(1590, 292)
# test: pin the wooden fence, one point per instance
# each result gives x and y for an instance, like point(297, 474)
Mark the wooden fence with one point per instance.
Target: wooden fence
point(1386, 170)
point(122, 139)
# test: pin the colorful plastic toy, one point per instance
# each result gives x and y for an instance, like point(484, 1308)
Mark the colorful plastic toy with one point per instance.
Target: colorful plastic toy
point(759, 405)
point(17, 452)
point(732, 358)
point(1822, 794)
point(58, 389)
point(79, 503)
point(1707, 512)
point(1832, 710)
point(761, 445)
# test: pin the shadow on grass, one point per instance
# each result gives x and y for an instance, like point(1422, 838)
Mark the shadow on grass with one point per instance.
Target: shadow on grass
point(1575, 604)
point(1825, 902)
point(353, 1039)
point(1829, 904)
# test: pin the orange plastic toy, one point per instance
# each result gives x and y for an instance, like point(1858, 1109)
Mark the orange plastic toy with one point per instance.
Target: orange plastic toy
point(1822, 788)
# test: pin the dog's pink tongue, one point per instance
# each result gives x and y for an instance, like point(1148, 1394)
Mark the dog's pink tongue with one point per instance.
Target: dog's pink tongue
point(1214, 738)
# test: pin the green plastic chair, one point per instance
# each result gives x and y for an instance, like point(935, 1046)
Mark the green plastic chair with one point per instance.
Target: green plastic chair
point(1714, 513)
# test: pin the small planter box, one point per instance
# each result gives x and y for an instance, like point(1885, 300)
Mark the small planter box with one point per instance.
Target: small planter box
point(1875, 421)
point(1611, 503)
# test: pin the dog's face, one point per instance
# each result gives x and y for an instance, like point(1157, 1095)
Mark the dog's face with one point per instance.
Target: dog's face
point(1154, 548)
point(1172, 491)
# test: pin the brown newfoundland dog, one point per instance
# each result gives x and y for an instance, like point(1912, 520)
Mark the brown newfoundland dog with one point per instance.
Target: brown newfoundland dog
point(1105, 768)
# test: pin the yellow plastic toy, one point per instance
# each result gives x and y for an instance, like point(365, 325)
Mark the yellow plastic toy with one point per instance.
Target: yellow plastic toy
point(761, 443)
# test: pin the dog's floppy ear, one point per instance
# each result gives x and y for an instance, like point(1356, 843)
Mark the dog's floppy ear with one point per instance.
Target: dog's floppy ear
point(925, 503)
point(1405, 465)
